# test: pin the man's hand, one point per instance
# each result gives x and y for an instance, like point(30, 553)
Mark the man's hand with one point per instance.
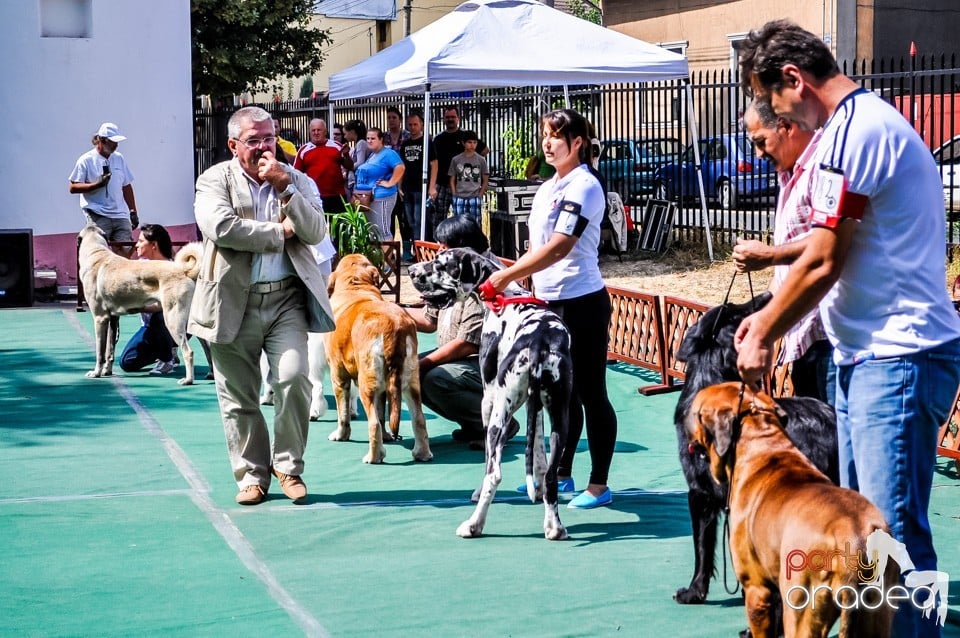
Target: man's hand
point(750, 255)
point(102, 182)
point(270, 170)
point(288, 231)
point(134, 219)
point(754, 355)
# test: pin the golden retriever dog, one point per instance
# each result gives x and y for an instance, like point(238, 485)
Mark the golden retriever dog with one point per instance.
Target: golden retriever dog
point(795, 537)
point(114, 286)
point(374, 345)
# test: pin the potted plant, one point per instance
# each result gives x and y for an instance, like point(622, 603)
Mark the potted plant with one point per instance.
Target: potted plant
point(352, 232)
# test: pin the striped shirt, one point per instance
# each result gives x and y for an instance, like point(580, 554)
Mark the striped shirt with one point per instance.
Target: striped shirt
point(793, 223)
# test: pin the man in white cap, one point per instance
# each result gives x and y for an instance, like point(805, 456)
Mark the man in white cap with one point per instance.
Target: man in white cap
point(105, 184)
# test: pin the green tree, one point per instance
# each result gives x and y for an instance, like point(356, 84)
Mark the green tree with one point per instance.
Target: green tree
point(249, 45)
point(306, 89)
point(584, 11)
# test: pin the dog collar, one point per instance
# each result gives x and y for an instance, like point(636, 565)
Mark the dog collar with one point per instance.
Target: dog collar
point(497, 302)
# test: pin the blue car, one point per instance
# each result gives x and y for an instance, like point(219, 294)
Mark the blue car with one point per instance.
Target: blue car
point(628, 166)
point(731, 173)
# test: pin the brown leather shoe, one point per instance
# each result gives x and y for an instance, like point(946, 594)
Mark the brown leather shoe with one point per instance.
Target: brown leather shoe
point(292, 486)
point(251, 495)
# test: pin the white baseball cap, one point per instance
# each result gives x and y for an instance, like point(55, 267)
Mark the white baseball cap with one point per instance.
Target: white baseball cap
point(110, 131)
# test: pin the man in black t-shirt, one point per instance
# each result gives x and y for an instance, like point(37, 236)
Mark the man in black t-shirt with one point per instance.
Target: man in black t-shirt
point(411, 151)
point(449, 144)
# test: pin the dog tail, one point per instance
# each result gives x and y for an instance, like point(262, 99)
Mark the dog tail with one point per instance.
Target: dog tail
point(189, 257)
point(395, 385)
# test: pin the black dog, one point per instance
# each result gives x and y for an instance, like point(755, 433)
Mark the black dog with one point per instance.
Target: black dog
point(524, 359)
point(708, 351)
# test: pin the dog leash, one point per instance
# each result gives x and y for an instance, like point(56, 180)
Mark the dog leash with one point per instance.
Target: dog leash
point(725, 541)
point(726, 299)
point(496, 302)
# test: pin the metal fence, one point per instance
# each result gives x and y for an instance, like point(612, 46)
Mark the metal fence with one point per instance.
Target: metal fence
point(924, 89)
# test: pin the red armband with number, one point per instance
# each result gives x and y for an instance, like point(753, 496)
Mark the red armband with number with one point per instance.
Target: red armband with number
point(832, 202)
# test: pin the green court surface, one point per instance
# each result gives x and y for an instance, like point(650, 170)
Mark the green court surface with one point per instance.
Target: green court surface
point(118, 519)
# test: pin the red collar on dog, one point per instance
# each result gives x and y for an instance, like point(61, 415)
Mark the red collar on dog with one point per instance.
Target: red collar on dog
point(497, 302)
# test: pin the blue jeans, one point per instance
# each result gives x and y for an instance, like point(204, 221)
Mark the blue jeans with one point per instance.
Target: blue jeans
point(888, 414)
point(149, 344)
point(411, 209)
point(469, 206)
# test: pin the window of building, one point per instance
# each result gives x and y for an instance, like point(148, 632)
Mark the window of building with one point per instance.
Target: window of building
point(66, 18)
point(675, 47)
point(383, 34)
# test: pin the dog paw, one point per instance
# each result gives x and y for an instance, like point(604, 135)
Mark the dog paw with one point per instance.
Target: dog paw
point(689, 596)
point(422, 456)
point(339, 434)
point(374, 458)
point(93, 374)
point(467, 529)
point(318, 409)
point(556, 533)
point(185, 381)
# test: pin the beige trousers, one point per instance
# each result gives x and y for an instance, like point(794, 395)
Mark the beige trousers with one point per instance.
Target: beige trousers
point(274, 323)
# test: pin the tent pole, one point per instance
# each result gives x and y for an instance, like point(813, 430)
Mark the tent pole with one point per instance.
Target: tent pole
point(696, 158)
point(426, 163)
point(566, 96)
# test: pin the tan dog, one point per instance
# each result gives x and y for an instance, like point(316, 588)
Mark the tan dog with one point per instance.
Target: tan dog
point(782, 510)
point(115, 286)
point(375, 345)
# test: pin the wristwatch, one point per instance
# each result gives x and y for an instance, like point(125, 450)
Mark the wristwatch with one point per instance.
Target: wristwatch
point(288, 191)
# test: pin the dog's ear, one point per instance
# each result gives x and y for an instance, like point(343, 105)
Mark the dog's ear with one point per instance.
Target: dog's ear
point(331, 283)
point(374, 273)
point(723, 429)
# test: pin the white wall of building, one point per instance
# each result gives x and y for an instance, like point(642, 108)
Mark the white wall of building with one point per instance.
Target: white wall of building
point(132, 68)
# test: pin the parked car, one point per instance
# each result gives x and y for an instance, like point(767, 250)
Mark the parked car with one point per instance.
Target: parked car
point(948, 160)
point(628, 165)
point(732, 173)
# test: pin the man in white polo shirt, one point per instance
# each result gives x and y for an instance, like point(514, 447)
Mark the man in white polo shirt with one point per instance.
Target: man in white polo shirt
point(875, 257)
point(105, 184)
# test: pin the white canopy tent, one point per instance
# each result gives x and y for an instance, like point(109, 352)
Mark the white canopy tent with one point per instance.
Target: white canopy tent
point(500, 43)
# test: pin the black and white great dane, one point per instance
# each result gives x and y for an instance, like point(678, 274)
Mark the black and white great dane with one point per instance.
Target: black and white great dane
point(524, 359)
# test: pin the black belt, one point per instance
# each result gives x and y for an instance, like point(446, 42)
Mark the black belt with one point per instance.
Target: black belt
point(263, 287)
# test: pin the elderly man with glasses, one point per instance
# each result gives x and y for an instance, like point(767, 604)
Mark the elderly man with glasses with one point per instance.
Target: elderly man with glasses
point(259, 291)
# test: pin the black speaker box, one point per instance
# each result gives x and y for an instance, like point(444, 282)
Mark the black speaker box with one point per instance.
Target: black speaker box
point(16, 268)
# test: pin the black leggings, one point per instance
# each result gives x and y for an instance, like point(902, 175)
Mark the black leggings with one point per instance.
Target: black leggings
point(588, 320)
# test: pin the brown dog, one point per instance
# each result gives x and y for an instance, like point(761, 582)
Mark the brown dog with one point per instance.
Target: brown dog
point(375, 345)
point(115, 285)
point(784, 511)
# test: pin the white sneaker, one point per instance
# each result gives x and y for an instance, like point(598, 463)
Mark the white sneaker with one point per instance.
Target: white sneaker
point(163, 367)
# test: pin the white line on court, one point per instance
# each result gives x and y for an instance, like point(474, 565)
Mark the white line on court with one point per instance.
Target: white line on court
point(500, 498)
point(199, 494)
point(88, 497)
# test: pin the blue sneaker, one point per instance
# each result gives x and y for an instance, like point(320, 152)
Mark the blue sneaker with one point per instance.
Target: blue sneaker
point(563, 485)
point(585, 500)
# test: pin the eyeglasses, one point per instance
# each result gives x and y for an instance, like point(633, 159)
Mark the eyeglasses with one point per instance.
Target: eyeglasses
point(254, 142)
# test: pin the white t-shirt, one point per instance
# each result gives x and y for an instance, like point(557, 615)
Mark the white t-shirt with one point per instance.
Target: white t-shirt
point(103, 201)
point(572, 206)
point(891, 298)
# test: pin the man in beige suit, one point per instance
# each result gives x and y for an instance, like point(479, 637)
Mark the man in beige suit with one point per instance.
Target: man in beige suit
point(260, 290)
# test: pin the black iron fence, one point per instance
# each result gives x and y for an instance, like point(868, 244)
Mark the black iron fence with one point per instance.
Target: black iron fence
point(646, 130)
